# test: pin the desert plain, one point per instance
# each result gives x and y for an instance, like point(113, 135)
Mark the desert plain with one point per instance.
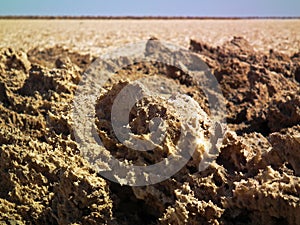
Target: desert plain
point(255, 179)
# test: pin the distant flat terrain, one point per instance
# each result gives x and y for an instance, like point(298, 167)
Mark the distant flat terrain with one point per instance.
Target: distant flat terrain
point(95, 36)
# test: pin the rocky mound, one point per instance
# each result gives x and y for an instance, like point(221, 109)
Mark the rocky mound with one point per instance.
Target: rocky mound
point(262, 90)
point(254, 180)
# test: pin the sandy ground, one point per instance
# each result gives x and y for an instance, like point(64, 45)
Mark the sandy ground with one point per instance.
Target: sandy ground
point(94, 36)
point(44, 178)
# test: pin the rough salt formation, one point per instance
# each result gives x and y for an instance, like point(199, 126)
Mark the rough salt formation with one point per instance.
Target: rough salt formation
point(262, 89)
point(43, 178)
point(254, 180)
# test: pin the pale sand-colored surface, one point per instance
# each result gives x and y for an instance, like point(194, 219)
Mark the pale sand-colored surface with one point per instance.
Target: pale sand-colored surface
point(46, 177)
point(95, 36)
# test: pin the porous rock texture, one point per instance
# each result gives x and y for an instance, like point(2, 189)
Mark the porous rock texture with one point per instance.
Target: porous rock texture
point(254, 180)
point(43, 178)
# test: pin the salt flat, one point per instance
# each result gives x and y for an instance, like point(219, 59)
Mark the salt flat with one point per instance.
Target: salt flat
point(95, 36)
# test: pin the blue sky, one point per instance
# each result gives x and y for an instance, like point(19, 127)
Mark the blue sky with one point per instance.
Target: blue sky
point(151, 7)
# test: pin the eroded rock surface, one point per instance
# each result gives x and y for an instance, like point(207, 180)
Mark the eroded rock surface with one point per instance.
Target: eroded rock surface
point(43, 178)
point(254, 180)
point(261, 89)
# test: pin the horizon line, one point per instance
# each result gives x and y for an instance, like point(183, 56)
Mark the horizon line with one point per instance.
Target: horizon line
point(145, 17)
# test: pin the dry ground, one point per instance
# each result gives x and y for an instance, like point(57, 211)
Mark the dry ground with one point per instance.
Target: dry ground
point(254, 180)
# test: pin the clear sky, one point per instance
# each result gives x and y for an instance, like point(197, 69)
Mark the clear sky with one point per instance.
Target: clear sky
point(151, 7)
